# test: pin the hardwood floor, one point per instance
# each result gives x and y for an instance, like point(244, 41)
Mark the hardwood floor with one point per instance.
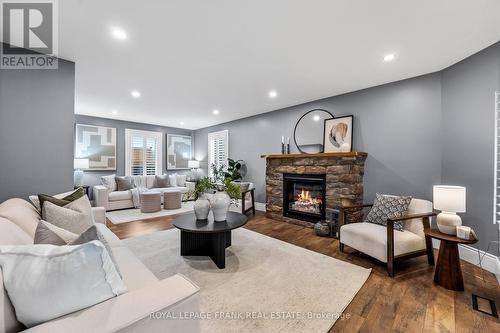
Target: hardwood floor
point(410, 302)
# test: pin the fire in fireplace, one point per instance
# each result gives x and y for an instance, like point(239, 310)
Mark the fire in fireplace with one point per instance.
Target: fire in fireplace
point(304, 197)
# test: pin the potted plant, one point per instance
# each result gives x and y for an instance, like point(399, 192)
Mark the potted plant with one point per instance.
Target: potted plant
point(234, 170)
point(227, 193)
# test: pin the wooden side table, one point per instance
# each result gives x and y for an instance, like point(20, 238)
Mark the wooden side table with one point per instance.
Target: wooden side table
point(448, 273)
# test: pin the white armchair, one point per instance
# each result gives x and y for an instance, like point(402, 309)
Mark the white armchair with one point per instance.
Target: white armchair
point(384, 242)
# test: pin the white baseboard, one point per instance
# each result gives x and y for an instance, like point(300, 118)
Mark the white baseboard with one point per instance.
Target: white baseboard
point(260, 206)
point(489, 262)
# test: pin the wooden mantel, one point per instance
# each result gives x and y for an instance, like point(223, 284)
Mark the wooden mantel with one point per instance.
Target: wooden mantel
point(350, 154)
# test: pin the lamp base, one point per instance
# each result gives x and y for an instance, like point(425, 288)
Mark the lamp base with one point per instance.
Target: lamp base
point(78, 177)
point(447, 222)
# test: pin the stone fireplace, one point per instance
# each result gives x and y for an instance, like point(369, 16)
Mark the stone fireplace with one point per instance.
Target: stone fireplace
point(299, 187)
point(304, 196)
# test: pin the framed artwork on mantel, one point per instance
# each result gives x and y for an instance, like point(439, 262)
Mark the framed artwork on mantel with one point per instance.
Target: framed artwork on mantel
point(179, 151)
point(338, 134)
point(98, 145)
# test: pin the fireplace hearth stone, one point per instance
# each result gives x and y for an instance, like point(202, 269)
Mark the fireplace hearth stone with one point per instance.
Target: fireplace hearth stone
point(343, 174)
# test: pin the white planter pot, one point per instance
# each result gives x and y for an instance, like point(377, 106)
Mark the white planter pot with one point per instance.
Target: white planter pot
point(220, 202)
point(201, 209)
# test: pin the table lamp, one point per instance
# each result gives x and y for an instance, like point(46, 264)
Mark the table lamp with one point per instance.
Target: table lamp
point(450, 200)
point(194, 166)
point(79, 165)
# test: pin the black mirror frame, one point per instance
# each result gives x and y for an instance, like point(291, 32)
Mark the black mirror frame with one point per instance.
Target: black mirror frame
point(297, 123)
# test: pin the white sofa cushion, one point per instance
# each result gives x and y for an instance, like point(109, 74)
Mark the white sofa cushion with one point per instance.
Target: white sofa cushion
point(135, 275)
point(110, 237)
point(172, 179)
point(77, 276)
point(120, 195)
point(21, 213)
point(181, 180)
point(371, 239)
point(11, 234)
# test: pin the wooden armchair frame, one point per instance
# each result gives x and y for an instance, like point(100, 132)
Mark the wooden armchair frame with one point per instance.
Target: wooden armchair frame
point(245, 210)
point(392, 260)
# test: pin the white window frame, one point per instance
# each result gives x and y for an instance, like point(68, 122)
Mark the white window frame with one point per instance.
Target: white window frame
point(217, 135)
point(496, 198)
point(145, 134)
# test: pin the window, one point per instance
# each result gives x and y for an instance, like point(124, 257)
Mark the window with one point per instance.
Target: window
point(218, 149)
point(496, 199)
point(143, 153)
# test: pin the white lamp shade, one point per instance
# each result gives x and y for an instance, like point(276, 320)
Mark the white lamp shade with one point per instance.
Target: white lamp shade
point(81, 163)
point(449, 198)
point(193, 164)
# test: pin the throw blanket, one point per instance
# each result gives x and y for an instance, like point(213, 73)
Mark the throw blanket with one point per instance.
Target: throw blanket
point(139, 186)
point(136, 197)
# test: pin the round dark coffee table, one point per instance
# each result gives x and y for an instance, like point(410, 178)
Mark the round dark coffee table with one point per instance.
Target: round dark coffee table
point(207, 237)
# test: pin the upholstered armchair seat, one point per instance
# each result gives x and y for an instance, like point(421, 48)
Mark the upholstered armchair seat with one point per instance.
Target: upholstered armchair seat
point(371, 239)
point(386, 243)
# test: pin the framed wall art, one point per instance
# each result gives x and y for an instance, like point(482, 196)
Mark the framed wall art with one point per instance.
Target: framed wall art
point(338, 134)
point(179, 151)
point(98, 145)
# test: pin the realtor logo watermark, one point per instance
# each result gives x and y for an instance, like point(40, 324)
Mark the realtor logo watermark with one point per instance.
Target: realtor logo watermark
point(29, 34)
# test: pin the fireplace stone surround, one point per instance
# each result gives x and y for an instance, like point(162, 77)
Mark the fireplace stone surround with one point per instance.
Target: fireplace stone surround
point(344, 180)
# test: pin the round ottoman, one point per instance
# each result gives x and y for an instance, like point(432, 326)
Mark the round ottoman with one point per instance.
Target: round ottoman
point(150, 202)
point(172, 199)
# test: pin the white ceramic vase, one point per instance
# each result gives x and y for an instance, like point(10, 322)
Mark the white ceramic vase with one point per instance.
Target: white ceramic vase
point(201, 208)
point(220, 202)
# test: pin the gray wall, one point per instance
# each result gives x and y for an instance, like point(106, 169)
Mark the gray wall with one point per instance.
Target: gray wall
point(468, 135)
point(398, 124)
point(36, 131)
point(92, 177)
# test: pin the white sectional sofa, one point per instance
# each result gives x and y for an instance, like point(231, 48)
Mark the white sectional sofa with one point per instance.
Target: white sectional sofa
point(129, 312)
point(112, 200)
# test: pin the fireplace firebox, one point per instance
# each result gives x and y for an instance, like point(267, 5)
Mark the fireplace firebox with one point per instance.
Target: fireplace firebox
point(304, 197)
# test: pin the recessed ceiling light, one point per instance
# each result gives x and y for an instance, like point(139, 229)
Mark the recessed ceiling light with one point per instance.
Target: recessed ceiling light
point(316, 118)
point(216, 112)
point(114, 111)
point(118, 33)
point(182, 123)
point(389, 57)
point(273, 94)
point(135, 94)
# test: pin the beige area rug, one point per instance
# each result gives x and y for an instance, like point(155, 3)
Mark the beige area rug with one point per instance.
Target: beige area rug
point(129, 215)
point(278, 285)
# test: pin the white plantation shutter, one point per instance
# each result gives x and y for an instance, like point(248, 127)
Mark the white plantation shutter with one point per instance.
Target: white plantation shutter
point(143, 153)
point(496, 206)
point(218, 149)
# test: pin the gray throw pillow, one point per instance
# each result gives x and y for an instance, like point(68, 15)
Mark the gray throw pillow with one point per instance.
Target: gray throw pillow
point(161, 181)
point(386, 207)
point(47, 233)
point(123, 183)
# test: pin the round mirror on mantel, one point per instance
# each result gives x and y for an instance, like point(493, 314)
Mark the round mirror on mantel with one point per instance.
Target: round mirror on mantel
point(308, 133)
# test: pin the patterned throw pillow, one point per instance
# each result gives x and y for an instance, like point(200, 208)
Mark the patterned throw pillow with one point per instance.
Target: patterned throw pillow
point(388, 206)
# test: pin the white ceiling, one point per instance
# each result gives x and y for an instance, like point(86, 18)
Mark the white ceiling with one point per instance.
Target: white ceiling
point(189, 57)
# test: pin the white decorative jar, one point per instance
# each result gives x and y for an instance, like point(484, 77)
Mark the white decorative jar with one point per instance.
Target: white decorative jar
point(201, 208)
point(220, 203)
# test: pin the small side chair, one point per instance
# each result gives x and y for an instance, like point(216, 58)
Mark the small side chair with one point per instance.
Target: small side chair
point(386, 244)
